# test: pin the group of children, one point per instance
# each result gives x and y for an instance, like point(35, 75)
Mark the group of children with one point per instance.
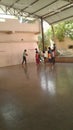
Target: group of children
point(50, 55)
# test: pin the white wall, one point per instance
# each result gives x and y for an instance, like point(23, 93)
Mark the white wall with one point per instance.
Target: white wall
point(64, 44)
point(14, 25)
point(16, 37)
point(11, 44)
point(11, 53)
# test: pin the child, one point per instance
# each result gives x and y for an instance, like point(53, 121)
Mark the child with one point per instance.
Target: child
point(37, 56)
point(49, 55)
point(24, 56)
point(53, 54)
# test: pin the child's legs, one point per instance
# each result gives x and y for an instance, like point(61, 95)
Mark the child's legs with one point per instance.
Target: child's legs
point(25, 60)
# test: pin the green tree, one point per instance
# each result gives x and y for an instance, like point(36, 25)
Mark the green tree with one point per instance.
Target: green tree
point(69, 29)
point(64, 29)
point(46, 41)
point(61, 30)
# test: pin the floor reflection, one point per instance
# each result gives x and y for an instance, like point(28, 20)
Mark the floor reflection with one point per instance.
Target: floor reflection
point(47, 78)
point(10, 113)
point(25, 68)
point(42, 102)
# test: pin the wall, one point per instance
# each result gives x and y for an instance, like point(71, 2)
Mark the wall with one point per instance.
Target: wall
point(63, 45)
point(14, 38)
point(18, 37)
point(11, 53)
point(14, 25)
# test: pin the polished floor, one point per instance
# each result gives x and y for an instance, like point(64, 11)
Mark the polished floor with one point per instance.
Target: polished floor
point(36, 97)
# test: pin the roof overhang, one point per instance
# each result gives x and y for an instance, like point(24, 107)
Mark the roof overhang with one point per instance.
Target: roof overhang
point(52, 11)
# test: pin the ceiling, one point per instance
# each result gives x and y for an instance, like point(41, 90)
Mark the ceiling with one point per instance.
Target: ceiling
point(52, 11)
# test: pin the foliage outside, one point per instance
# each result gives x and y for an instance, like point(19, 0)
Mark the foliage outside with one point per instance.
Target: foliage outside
point(64, 29)
point(47, 37)
point(61, 30)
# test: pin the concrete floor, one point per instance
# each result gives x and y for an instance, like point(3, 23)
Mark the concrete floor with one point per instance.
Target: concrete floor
point(36, 97)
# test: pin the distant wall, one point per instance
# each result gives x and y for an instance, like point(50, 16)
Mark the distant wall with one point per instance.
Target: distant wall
point(14, 25)
point(18, 37)
point(14, 38)
point(64, 44)
point(11, 53)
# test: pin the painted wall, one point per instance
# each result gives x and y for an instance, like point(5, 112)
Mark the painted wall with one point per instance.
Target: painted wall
point(11, 53)
point(14, 38)
point(14, 25)
point(64, 45)
point(18, 37)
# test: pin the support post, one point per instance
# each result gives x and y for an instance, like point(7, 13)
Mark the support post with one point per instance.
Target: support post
point(53, 37)
point(42, 33)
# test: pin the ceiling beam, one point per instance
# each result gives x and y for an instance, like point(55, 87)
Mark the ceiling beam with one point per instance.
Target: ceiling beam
point(13, 4)
point(69, 0)
point(23, 10)
point(29, 5)
point(3, 9)
point(60, 10)
point(41, 9)
point(61, 19)
point(44, 7)
point(54, 11)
